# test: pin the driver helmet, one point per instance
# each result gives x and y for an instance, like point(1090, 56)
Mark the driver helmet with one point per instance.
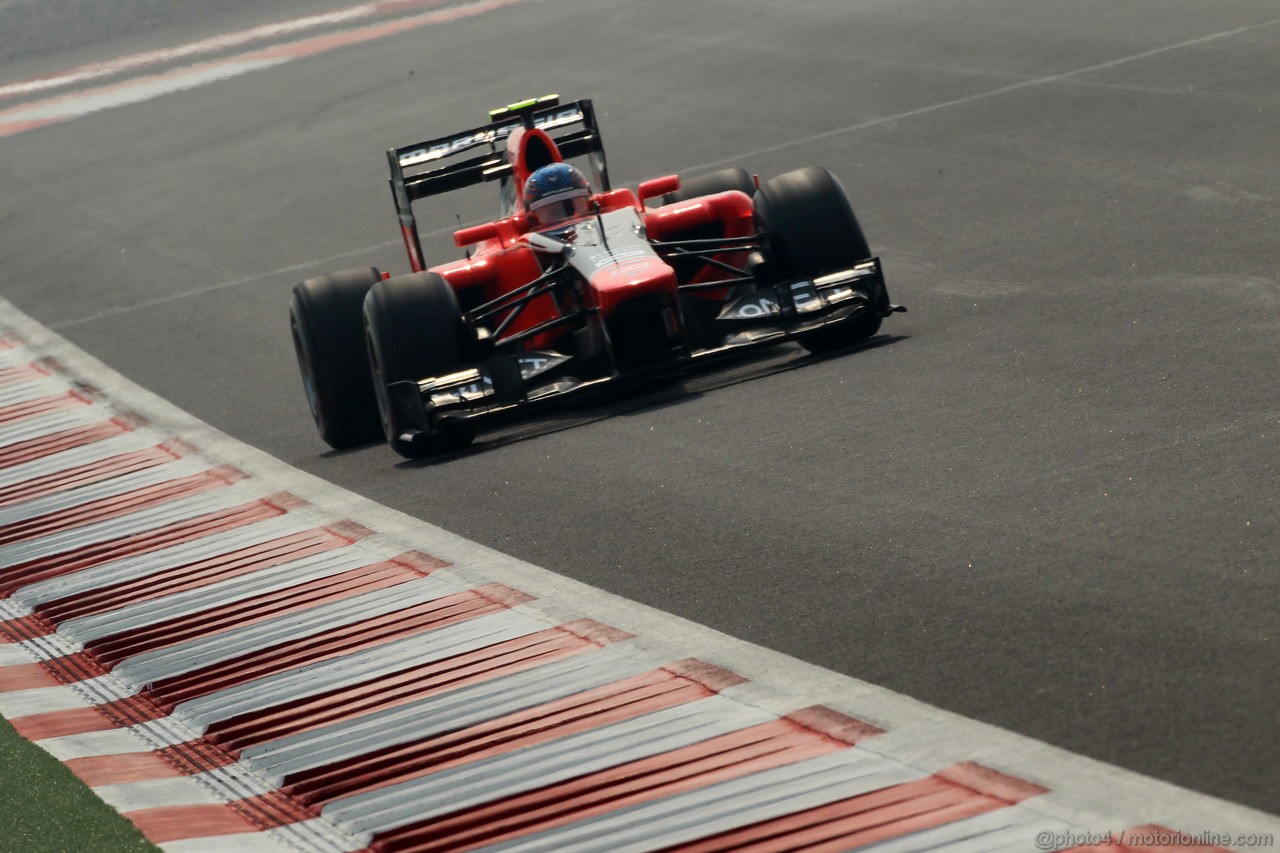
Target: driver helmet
point(555, 193)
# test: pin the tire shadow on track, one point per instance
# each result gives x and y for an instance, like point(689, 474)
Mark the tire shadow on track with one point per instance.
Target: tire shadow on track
point(645, 395)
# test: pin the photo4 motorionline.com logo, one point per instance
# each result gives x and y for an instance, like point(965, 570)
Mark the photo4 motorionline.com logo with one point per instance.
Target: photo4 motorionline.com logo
point(1151, 837)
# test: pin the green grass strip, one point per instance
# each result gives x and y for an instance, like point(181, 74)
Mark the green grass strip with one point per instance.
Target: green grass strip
point(44, 807)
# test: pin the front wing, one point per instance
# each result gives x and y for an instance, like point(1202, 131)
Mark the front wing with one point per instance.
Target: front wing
point(503, 384)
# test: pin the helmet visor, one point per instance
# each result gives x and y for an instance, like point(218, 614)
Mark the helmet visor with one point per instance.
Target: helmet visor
point(559, 206)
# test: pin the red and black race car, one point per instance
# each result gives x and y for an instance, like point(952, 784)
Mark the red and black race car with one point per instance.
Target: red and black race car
point(577, 284)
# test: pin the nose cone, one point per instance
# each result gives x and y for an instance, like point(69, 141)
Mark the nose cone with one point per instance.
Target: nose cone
point(625, 279)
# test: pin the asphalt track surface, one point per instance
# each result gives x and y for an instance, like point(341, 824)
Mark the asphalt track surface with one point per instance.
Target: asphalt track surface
point(1047, 498)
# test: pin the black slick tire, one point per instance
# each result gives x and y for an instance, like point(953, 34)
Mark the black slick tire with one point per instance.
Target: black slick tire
point(414, 328)
point(810, 230)
point(325, 319)
point(719, 181)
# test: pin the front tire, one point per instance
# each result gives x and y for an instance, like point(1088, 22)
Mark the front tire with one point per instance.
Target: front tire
point(811, 230)
point(414, 328)
point(328, 339)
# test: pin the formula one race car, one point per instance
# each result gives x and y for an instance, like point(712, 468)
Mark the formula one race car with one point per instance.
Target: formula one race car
point(577, 284)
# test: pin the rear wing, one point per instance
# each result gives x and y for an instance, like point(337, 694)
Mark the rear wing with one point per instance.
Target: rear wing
point(438, 166)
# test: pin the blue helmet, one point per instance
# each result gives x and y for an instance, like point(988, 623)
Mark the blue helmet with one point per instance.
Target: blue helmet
point(555, 193)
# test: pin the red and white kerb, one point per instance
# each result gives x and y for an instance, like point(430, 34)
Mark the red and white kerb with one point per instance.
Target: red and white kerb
point(232, 669)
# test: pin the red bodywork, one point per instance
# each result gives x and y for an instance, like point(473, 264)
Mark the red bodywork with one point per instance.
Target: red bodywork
point(500, 261)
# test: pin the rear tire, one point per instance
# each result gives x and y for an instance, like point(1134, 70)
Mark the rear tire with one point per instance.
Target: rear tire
point(328, 339)
point(711, 183)
point(810, 230)
point(414, 328)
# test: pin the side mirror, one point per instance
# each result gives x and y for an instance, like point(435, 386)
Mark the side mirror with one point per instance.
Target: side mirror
point(657, 187)
point(475, 234)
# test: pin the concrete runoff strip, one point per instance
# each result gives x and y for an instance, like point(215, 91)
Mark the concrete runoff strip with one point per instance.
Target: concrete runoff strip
point(255, 659)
